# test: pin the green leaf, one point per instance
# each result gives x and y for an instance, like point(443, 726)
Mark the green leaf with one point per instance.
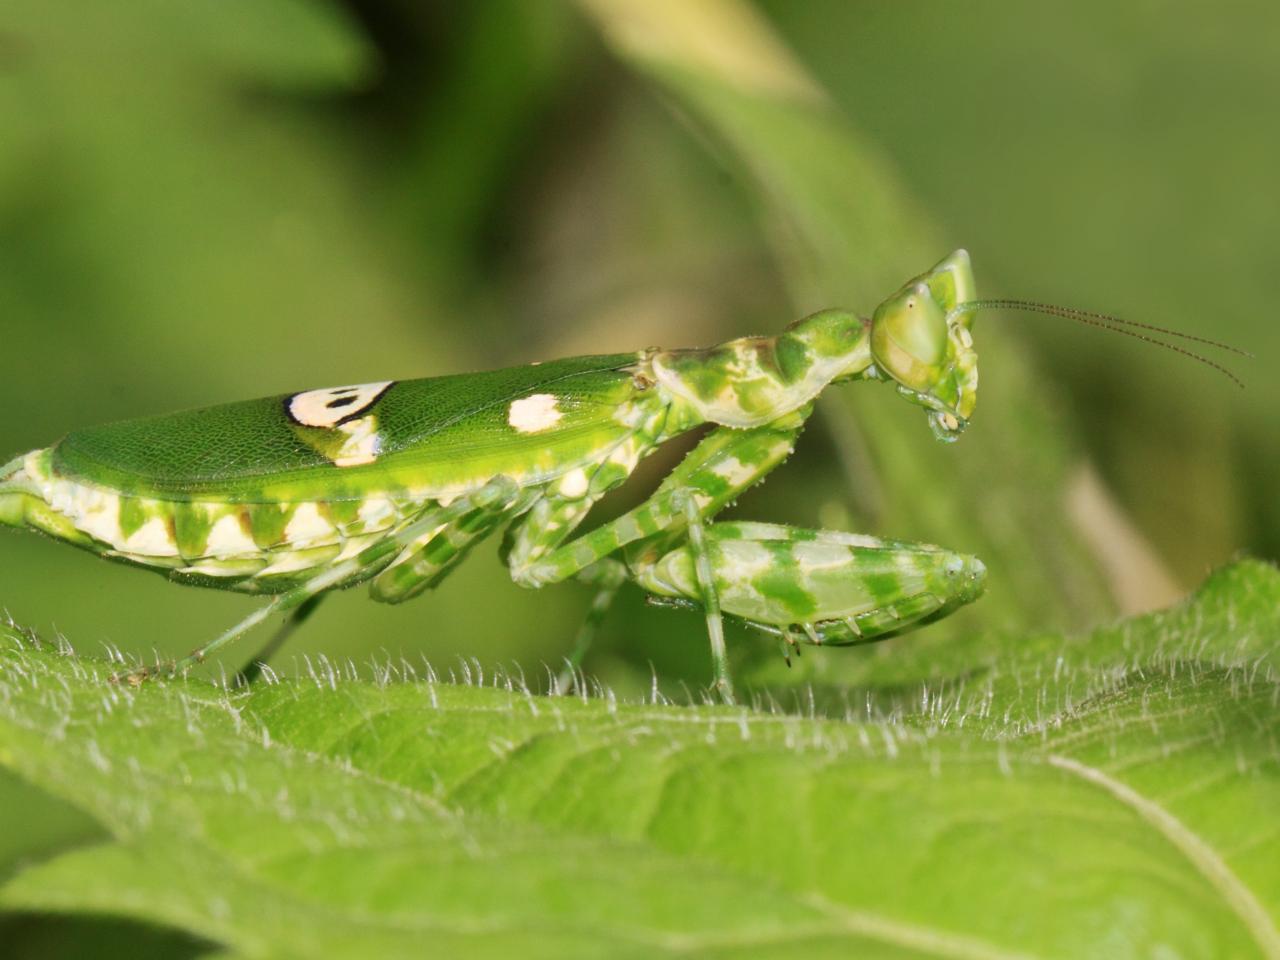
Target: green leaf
point(1109, 795)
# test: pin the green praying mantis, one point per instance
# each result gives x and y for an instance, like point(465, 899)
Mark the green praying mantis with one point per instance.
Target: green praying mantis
point(393, 483)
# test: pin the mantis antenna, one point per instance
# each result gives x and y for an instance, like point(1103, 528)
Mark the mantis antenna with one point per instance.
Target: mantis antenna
point(1103, 321)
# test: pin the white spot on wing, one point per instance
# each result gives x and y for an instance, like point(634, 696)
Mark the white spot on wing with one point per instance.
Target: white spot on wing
point(327, 407)
point(534, 414)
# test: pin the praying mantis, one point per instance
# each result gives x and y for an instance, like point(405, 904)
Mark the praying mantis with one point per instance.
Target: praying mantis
point(392, 484)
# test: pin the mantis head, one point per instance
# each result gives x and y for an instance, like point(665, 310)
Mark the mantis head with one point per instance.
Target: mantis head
point(920, 338)
point(922, 343)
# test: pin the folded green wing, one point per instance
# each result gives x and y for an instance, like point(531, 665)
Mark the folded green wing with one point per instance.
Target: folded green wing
point(438, 433)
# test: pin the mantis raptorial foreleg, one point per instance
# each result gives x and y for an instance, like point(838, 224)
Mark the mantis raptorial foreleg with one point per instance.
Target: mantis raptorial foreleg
point(716, 472)
point(822, 586)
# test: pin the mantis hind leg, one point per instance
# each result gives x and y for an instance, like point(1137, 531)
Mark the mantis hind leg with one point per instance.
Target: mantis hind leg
point(713, 475)
point(540, 531)
point(500, 494)
point(608, 576)
point(291, 600)
point(426, 561)
point(253, 669)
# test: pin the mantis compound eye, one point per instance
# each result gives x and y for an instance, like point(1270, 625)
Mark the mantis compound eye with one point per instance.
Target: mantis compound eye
point(925, 350)
point(909, 337)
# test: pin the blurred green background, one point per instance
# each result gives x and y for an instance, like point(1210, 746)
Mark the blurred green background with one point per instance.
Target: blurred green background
point(203, 201)
point(208, 200)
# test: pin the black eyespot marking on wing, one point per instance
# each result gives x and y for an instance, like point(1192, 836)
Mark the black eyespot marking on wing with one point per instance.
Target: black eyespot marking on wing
point(333, 406)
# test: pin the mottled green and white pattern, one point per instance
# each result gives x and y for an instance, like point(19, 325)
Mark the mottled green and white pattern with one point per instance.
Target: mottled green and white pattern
point(394, 482)
point(820, 586)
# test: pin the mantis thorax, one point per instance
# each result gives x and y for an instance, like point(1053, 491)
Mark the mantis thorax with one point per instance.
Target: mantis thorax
point(751, 381)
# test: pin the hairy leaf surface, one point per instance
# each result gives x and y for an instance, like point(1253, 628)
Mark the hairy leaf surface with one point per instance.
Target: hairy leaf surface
point(1112, 794)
